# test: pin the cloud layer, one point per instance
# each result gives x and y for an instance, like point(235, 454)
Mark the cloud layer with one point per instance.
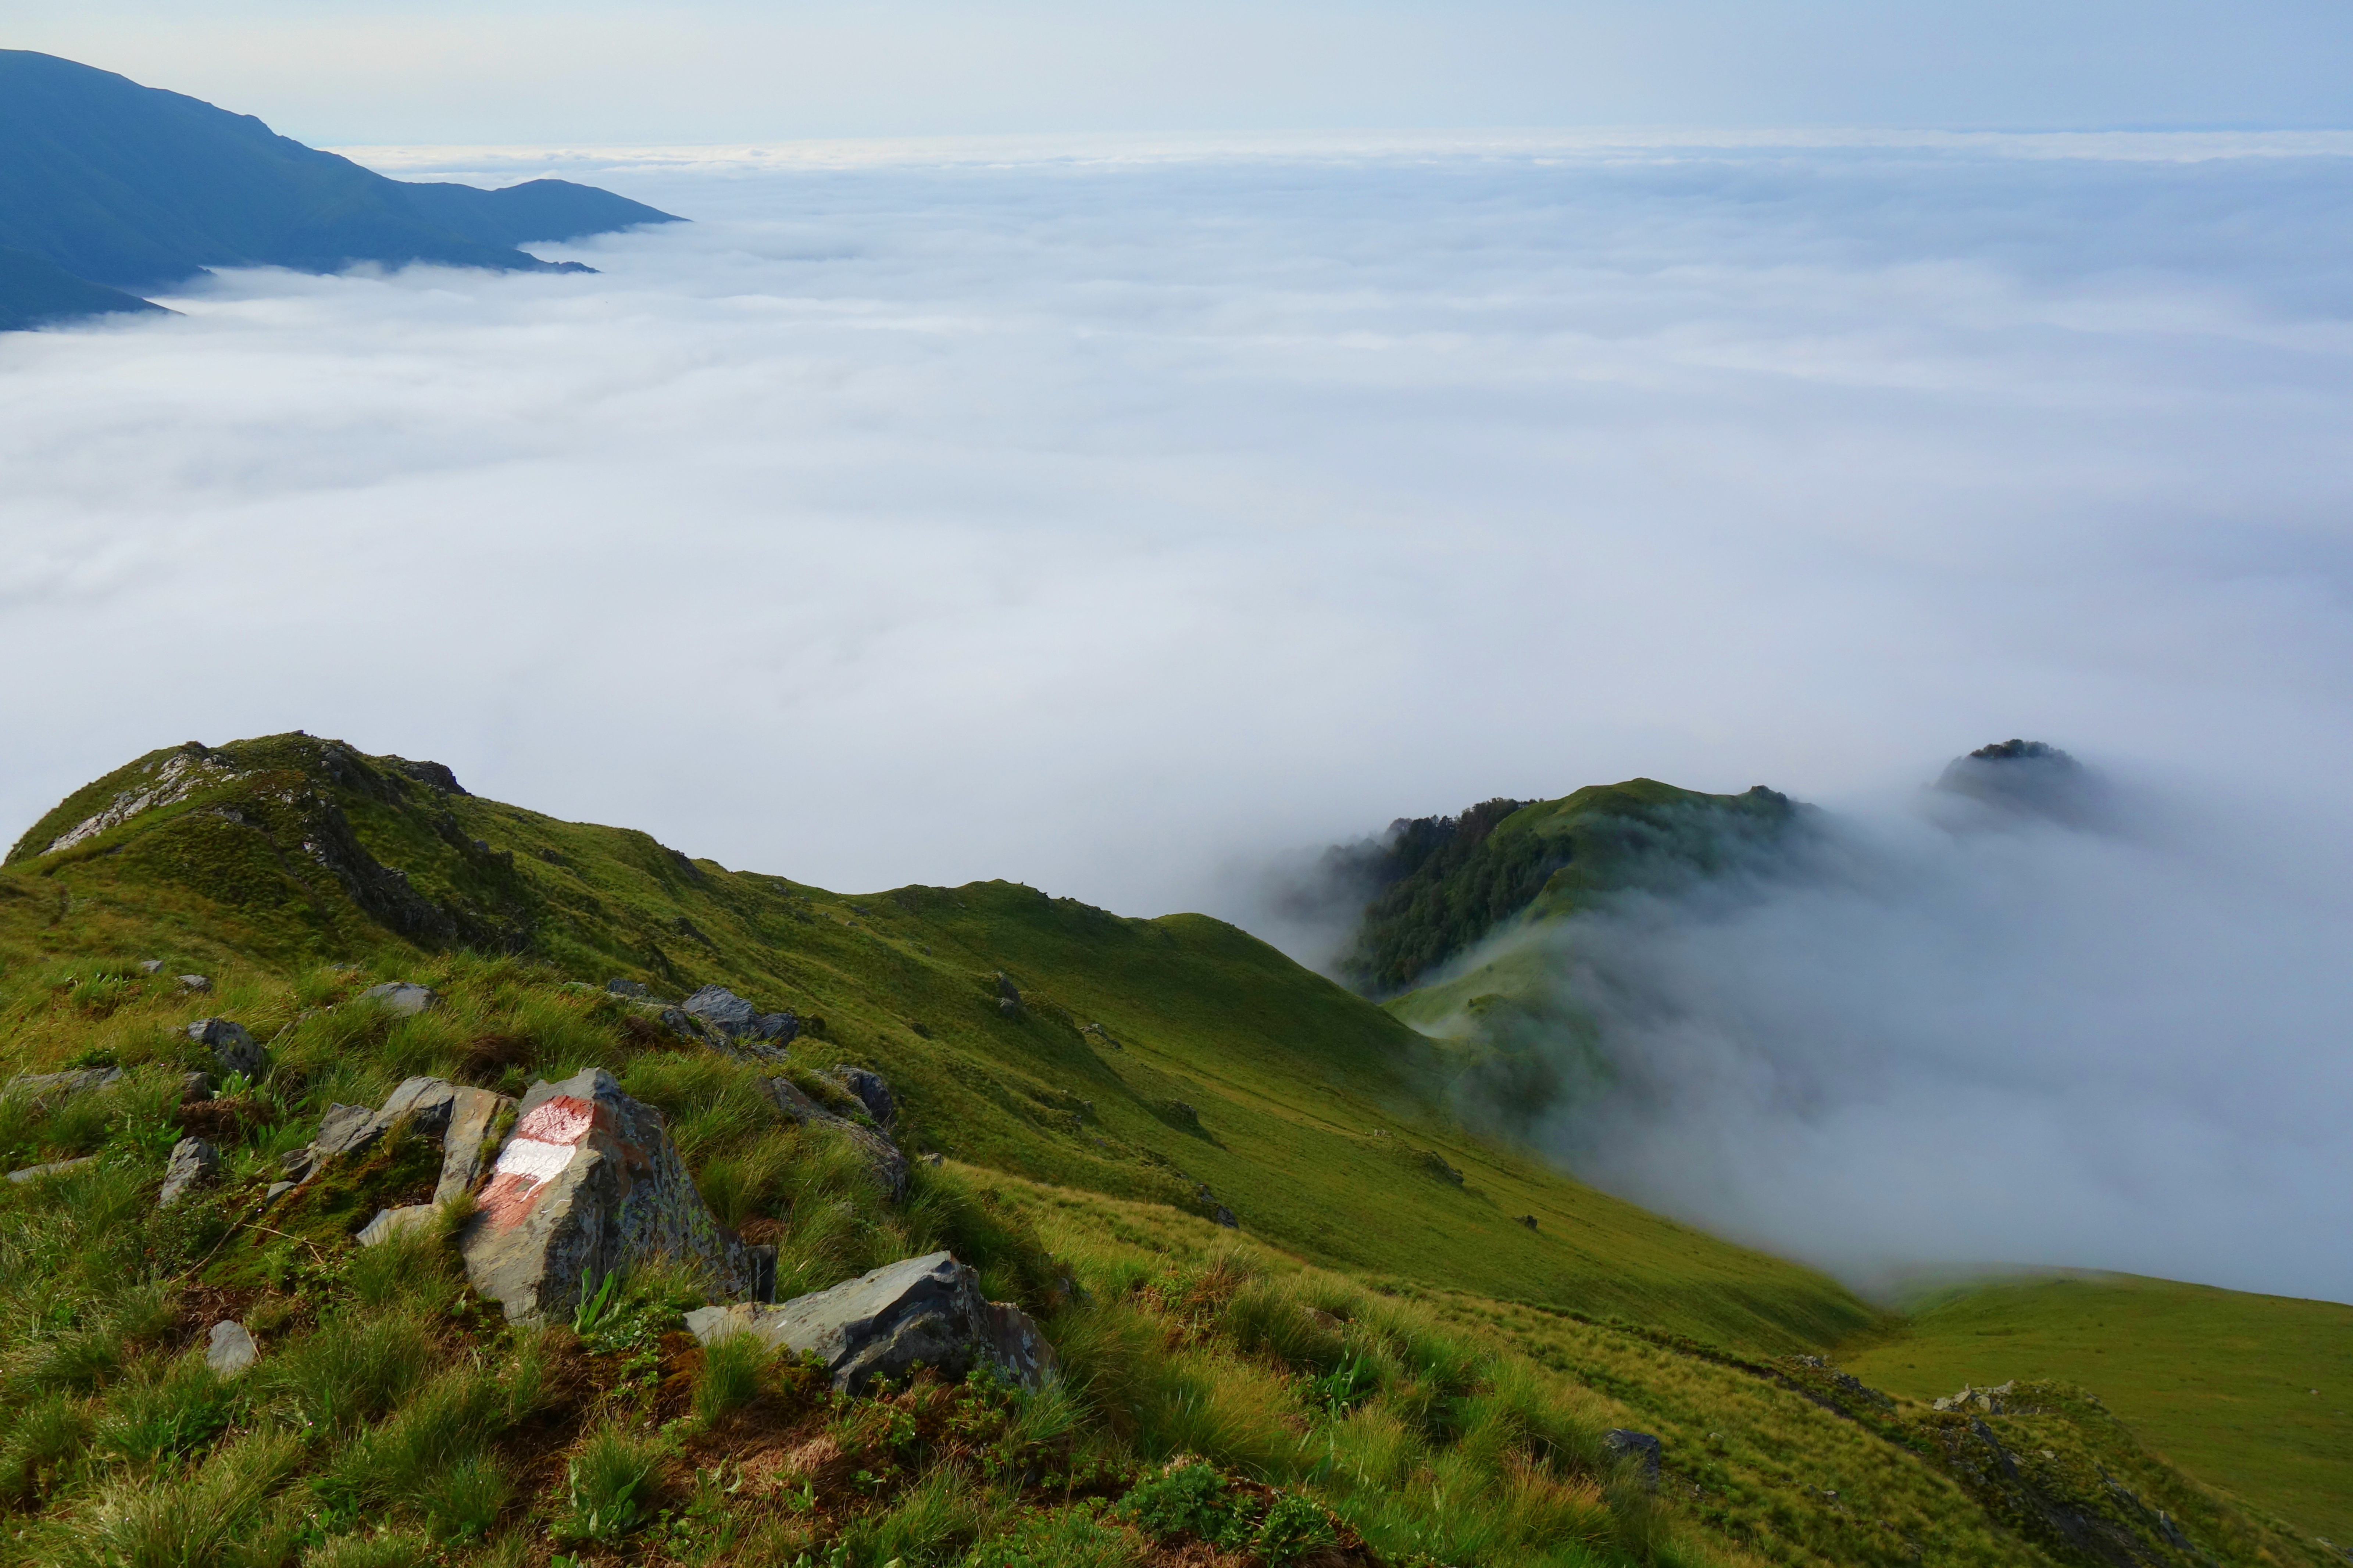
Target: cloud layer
point(1110, 521)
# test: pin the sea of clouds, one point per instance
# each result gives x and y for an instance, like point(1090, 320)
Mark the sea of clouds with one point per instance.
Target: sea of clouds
point(1113, 517)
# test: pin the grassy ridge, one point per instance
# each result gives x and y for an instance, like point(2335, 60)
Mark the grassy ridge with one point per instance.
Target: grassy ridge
point(2220, 1380)
point(1215, 1061)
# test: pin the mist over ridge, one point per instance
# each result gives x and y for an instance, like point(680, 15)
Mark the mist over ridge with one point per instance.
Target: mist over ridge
point(2033, 1015)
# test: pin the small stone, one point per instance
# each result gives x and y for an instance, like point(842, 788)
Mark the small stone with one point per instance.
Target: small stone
point(193, 1163)
point(54, 1168)
point(932, 1158)
point(277, 1190)
point(1624, 1443)
point(402, 998)
point(627, 987)
point(1007, 990)
point(231, 1046)
point(196, 1088)
point(231, 1350)
point(151, 966)
point(57, 1084)
point(1008, 1007)
point(1225, 1217)
point(195, 983)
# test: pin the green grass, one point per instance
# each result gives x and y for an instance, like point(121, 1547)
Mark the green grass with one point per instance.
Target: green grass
point(2219, 1381)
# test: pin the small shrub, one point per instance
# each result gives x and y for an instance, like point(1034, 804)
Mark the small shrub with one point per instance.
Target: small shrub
point(610, 1485)
point(1294, 1526)
point(1189, 1499)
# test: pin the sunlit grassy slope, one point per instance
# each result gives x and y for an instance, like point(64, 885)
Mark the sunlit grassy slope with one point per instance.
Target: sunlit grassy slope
point(1216, 1062)
point(2253, 1393)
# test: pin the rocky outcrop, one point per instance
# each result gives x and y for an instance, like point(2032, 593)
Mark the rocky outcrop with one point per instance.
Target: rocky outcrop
point(589, 1182)
point(881, 1156)
point(737, 1019)
point(174, 779)
point(193, 1163)
point(231, 1046)
point(1990, 1401)
point(920, 1311)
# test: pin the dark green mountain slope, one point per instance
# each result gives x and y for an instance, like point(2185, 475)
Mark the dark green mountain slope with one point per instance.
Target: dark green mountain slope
point(34, 292)
point(133, 187)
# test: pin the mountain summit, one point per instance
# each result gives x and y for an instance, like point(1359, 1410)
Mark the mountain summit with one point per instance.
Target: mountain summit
point(116, 187)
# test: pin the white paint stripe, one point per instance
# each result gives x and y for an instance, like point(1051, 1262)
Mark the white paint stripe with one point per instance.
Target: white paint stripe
point(535, 1158)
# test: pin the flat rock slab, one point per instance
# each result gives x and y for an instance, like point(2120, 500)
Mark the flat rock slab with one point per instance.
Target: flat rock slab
point(589, 1182)
point(57, 1084)
point(54, 1168)
point(459, 1116)
point(401, 997)
point(920, 1311)
point(230, 1349)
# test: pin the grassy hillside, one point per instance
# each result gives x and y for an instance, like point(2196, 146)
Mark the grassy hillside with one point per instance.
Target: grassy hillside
point(2253, 1393)
point(1213, 1061)
point(1409, 1351)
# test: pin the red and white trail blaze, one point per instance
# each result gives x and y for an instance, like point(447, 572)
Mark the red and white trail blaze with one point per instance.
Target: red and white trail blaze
point(542, 1145)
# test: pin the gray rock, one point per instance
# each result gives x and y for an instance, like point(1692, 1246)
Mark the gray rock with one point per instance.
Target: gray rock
point(933, 1159)
point(881, 1156)
point(54, 1168)
point(1007, 990)
point(1991, 1401)
point(151, 966)
point(401, 997)
point(195, 983)
point(230, 1349)
point(459, 1116)
point(736, 1019)
point(1225, 1217)
point(193, 1163)
point(920, 1311)
point(389, 1222)
point(1008, 1007)
point(56, 1086)
point(277, 1190)
point(587, 1182)
point(195, 1087)
point(870, 1091)
point(1623, 1443)
point(231, 1046)
point(627, 987)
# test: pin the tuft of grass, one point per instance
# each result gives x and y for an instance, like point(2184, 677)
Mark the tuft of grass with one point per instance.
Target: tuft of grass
point(730, 1377)
point(611, 1484)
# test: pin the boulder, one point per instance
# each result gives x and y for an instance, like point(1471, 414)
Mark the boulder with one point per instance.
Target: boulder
point(401, 998)
point(871, 1091)
point(920, 1311)
point(193, 1163)
point(881, 1155)
point(230, 1349)
point(589, 1182)
point(231, 1046)
point(1623, 1443)
point(737, 1019)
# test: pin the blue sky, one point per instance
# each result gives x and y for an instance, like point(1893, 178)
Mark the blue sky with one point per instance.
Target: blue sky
point(341, 72)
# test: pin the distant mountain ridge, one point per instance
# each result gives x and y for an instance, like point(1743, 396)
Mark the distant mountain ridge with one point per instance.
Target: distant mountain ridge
point(123, 187)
